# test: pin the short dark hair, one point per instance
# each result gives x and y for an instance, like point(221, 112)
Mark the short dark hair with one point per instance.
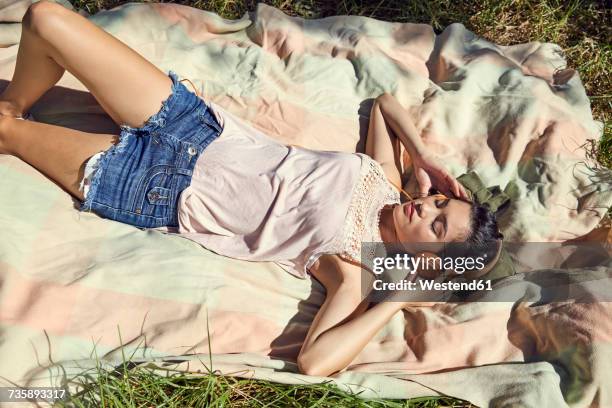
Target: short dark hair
point(483, 237)
point(483, 226)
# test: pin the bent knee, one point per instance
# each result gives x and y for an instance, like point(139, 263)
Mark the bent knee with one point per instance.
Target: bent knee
point(40, 16)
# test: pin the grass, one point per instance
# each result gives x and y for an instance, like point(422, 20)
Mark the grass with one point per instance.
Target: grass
point(583, 31)
point(127, 387)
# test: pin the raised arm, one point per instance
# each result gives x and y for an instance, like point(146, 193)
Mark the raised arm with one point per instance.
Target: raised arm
point(342, 326)
point(401, 124)
point(389, 127)
point(382, 145)
point(390, 123)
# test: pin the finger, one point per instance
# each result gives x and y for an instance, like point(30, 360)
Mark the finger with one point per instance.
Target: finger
point(446, 192)
point(443, 184)
point(451, 185)
point(455, 187)
point(461, 190)
point(423, 190)
point(464, 193)
point(424, 182)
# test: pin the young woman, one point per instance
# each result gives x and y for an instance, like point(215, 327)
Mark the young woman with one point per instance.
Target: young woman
point(194, 169)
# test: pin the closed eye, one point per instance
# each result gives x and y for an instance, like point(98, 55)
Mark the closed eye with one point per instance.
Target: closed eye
point(442, 203)
point(433, 227)
point(441, 219)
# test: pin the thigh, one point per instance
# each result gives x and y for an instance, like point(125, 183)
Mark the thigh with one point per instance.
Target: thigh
point(127, 86)
point(57, 152)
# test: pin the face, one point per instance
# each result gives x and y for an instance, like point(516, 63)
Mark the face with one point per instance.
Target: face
point(434, 219)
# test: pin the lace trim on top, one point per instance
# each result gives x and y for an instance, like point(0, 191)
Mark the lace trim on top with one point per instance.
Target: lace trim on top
point(371, 193)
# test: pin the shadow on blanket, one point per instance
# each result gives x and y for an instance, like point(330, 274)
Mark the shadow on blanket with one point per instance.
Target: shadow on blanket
point(78, 119)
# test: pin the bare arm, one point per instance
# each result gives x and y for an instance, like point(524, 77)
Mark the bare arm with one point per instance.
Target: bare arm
point(390, 122)
point(382, 145)
point(400, 123)
point(342, 326)
point(389, 126)
point(335, 348)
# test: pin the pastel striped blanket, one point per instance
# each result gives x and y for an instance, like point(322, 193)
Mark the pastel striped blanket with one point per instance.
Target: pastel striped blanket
point(74, 286)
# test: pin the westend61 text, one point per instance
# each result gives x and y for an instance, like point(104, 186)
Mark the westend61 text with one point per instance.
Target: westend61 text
point(482, 284)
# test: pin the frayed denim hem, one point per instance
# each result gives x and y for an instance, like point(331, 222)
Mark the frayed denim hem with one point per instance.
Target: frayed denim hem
point(99, 167)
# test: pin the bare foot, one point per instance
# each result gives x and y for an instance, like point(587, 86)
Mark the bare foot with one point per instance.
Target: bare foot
point(8, 108)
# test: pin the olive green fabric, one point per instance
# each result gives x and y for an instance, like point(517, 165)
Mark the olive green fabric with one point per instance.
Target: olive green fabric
point(497, 200)
point(493, 197)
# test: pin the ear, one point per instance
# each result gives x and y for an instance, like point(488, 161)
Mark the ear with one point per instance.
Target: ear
point(430, 265)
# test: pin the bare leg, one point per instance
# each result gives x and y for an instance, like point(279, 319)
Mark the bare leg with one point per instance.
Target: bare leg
point(127, 86)
point(34, 74)
point(57, 152)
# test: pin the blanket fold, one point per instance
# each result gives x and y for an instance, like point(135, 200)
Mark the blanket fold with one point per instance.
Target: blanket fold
point(74, 287)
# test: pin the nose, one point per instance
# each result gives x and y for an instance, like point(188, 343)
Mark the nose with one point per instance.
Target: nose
point(423, 209)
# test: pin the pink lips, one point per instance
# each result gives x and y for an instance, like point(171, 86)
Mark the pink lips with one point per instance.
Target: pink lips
point(409, 210)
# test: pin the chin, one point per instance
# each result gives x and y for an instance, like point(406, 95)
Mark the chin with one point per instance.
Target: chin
point(396, 224)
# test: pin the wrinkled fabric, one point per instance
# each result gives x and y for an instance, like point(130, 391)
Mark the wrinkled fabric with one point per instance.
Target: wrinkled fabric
point(74, 286)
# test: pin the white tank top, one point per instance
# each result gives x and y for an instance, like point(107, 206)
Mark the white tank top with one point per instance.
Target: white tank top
point(255, 199)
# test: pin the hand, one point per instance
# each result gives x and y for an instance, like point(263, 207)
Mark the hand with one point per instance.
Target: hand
point(430, 173)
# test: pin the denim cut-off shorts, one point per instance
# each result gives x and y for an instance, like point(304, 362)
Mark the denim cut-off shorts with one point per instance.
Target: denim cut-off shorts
point(138, 181)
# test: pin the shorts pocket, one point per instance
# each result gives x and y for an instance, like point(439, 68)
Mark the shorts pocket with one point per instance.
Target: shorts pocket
point(153, 196)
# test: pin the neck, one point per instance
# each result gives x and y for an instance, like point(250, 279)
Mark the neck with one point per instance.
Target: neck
point(386, 225)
